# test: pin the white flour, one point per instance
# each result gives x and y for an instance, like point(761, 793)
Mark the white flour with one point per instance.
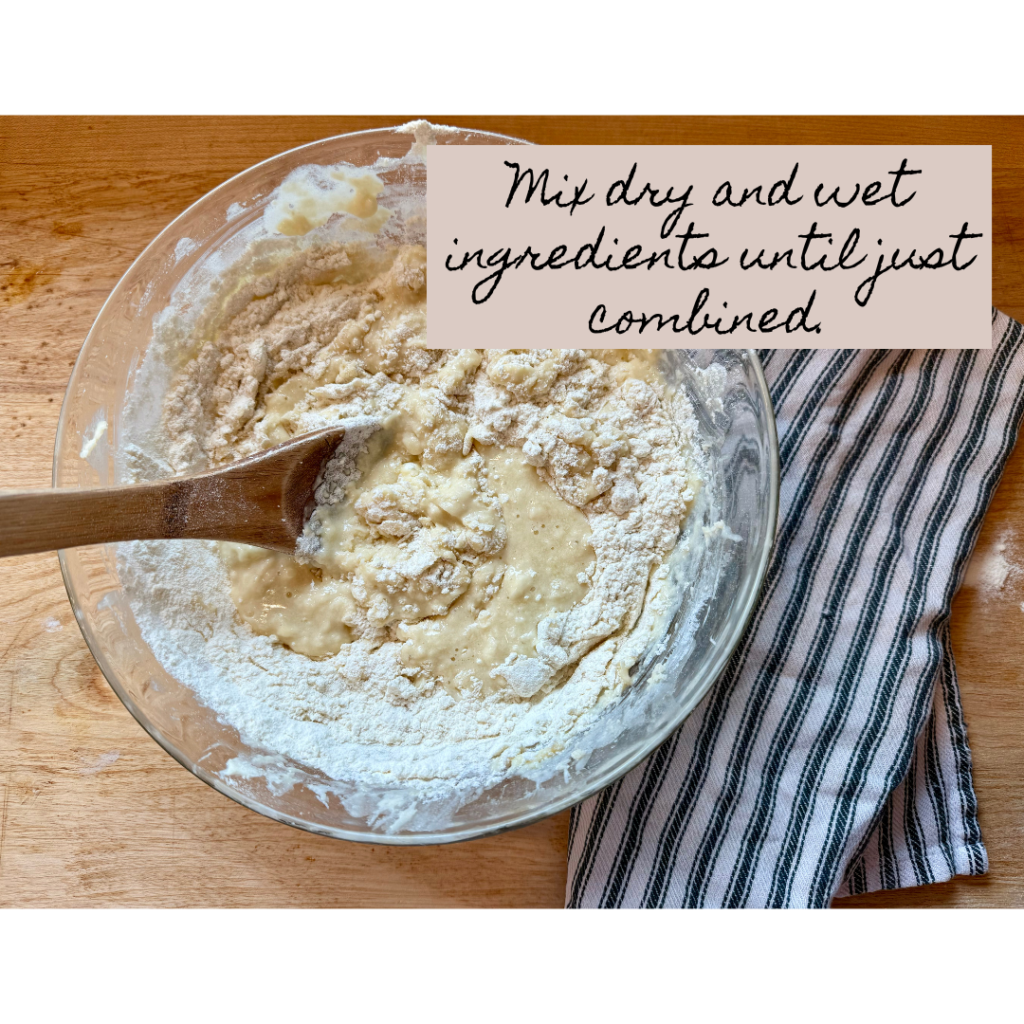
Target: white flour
point(993, 572)
point(621, 448)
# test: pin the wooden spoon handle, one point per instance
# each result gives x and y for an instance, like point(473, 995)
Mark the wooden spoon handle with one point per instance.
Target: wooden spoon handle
point(262, 499)
point(214, 507)
point(47, 520)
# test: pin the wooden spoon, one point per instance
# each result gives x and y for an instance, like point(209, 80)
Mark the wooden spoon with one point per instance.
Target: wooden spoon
point(261, 500)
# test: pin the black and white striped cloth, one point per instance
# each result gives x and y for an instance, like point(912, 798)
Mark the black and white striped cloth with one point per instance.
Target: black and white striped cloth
point(831, 757)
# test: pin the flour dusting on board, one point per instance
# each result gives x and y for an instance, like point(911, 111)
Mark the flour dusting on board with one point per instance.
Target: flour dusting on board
point(994, 571)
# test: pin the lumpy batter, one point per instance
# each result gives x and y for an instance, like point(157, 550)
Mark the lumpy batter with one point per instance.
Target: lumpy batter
point(468, 546)
point(460, 557)
point(488, 558)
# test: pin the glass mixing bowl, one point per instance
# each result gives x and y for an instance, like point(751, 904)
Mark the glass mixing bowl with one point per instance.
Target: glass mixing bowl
point(723, 569)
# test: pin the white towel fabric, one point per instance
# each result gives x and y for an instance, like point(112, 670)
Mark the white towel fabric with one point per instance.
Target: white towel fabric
point(831, 757)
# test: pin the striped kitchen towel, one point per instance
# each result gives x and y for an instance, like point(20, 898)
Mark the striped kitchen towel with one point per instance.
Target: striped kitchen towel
point(831, 757)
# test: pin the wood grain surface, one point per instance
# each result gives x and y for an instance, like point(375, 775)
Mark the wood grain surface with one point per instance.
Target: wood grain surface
point(92, 812)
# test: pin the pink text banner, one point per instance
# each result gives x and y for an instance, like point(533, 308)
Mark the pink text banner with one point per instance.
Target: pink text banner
point(709, 246)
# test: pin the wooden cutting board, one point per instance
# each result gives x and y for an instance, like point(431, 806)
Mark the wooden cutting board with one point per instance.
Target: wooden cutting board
point(93, 812)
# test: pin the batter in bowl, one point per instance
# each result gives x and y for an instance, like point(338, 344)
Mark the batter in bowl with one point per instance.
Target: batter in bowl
point(489, 556)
